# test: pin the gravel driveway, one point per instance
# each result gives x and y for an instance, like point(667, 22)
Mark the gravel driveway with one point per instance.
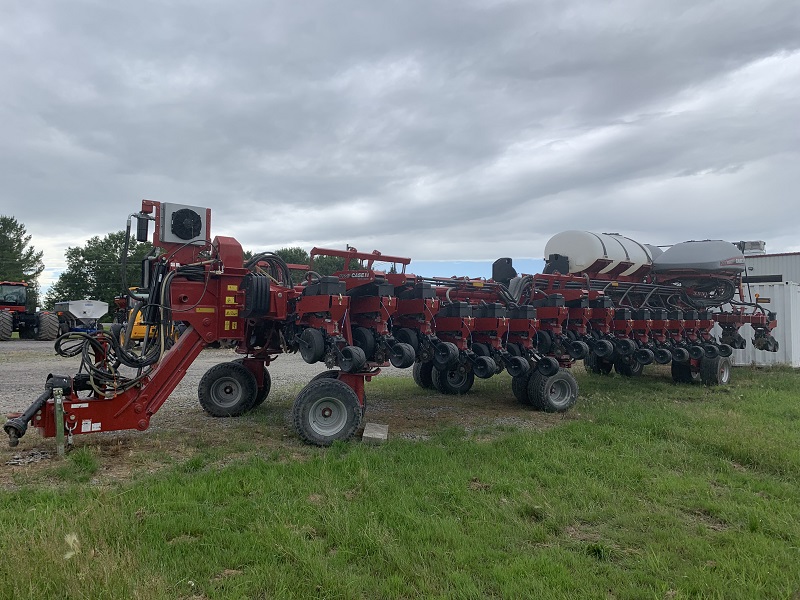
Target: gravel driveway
point(25, 364)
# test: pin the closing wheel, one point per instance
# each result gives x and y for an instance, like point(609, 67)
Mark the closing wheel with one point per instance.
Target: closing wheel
point(725, 350)
point(514, 349)
point(662, 356)
point(519, 386)
point(326, 410)
point(405, 335)
point(480, 349)
point(627, 366)
point(48, 326)
point(363, 338)
point(548, 366)
point(682, 373)
point(644, 356)
point(401, 355)
point(710, 351)
point(227, 390)
point(603, 348)
point(578, 349)
point(680, 354)
point(554, 393)
point(516, 366)
point(6, 325)
point(263, 391)
point(423, 375)
point(484, 367)
point(352, 359)
point(453, 381)
point(445, 356)
point(625, 347)
point(696, 352)
point(312, 345)
point(544, 341)
point(715, 371)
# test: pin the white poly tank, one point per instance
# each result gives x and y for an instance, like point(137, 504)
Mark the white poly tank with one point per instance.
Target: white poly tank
point(584, 249)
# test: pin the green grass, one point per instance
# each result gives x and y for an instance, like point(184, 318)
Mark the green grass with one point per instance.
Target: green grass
point(651, 490)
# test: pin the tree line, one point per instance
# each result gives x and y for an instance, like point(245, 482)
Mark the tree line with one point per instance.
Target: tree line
point(94, 270)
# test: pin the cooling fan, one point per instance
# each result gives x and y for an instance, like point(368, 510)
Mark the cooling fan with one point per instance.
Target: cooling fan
point(182, 224)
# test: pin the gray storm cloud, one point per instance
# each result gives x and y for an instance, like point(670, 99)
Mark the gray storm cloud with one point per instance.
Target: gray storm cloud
point(439, 130)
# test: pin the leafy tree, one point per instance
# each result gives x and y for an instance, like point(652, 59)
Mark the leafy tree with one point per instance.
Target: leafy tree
point(294, 255)
point(19, 261)
point(93, 271)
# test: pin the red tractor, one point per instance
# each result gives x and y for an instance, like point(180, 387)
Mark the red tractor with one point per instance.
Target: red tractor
point(14, 315)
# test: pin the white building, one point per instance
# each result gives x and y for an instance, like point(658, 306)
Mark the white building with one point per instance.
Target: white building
point(775, 280)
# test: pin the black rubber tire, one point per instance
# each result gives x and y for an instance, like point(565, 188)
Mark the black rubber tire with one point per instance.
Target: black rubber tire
point(628, 367)
point(603, 348)
point(625, 347)
point(682, 372)
point(578, 349)
point(544, 342)
point(556, 393)
point(423, 375)
point(453, 381)
point(662, 356)
point(312, 345)
point(364, 339)
point(597, 365)
point(6, 325)
point(644, 356)
point(48, 326)
point(263, 391)
point(519, 386)
point(402, 355)
point(680, 354)
point(480, 349)
point(715, 371)
point(548, 366)
point(514, 349)
point(326, 410)
point(352, 360)
point(484, 367)
point(445, 355)
point(696, 352)
point(517, 366)
point(331, 374)
point(710, 351)
point(227, 390)
point(406, 335)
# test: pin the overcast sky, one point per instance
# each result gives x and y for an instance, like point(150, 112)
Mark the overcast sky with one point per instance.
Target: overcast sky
point(436, 130)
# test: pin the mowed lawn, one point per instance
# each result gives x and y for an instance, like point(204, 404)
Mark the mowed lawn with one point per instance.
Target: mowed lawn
point(648, 490)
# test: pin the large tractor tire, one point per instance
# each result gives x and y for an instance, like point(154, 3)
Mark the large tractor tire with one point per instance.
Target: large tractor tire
point(715, 371)
point(423, 375)
point(597, 365)
point(326, 410)
point(48, 326)
point(227, 390)
point(455, 381)
point(556, 393)
point(519, 387)
point(263, 391)
point(682, 373)
point(6, 325)
point(627, 366)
